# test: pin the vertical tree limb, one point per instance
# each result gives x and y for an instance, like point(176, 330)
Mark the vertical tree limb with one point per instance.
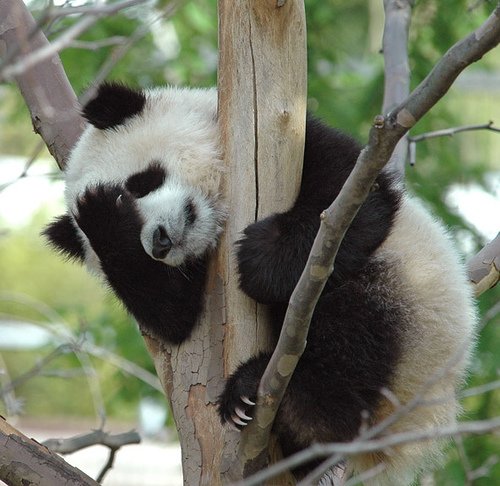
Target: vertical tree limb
point(396, 69)
point(262, 102)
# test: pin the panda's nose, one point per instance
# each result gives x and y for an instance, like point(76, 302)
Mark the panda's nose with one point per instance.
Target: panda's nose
point(161, 243)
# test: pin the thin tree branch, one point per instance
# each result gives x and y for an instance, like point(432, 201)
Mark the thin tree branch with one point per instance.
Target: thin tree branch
point(96, 437)
point(96, 45)
point(316, 451)
point(35, 370)
point(447, 132)
point(77, 344)
point(118, 53)
point(109, 464)
point(30, 59)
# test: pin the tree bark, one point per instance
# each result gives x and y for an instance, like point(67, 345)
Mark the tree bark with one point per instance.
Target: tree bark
point(262, 104)
point(23, 461)
point(396, 70)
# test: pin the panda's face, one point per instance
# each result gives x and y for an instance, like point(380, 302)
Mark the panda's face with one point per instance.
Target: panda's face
point(161, 147)
point(180, 223)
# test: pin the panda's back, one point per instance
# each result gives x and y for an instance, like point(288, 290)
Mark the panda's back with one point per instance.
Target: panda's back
point(437, 333)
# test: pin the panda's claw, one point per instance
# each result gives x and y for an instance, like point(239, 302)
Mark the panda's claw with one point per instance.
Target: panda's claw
point(247, 401)
point(242, 415)
point(238, 421)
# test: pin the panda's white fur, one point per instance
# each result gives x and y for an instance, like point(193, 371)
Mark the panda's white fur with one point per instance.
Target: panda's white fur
point(422, 279)
point(435, 354)
point(177, 128)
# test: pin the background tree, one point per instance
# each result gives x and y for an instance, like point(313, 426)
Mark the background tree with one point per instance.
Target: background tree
point(325, 69)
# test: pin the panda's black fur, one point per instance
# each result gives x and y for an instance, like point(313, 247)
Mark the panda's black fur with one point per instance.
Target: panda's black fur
point(144, 211)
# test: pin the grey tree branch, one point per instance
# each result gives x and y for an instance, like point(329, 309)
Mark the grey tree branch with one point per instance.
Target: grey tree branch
point(73, 444)
point(446, 132)
point(396, 68)
point(449, 132)
point(30, 59)
point(484, 268)
point(98, 437)
point(25, 461)
point(371, 445)
point(34, 371)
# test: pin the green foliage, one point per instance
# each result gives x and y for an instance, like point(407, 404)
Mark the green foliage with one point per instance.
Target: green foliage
point(34, 278)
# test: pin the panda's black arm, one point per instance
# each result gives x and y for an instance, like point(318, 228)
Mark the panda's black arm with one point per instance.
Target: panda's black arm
point(63, 237)
point(273, 251)
point(272, 254)
point(166, 301)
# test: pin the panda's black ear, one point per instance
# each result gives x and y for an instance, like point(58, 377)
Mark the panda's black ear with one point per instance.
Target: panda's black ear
point(112, 105)
point(63, 236)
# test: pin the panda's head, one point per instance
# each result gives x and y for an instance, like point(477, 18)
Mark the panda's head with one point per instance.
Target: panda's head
point(161, 146)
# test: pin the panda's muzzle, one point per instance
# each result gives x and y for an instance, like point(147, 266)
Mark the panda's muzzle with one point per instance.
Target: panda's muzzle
point(161, 243)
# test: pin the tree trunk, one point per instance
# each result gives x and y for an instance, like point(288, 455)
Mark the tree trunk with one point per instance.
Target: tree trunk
point(262, 104)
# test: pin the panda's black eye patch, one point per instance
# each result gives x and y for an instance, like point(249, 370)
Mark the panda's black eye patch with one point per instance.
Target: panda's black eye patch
point(190, 212)
point(142, 183)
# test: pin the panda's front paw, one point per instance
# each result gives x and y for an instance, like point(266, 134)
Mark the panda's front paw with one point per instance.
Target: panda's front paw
point(237, 401)
point(108, 217)
point(237, 413)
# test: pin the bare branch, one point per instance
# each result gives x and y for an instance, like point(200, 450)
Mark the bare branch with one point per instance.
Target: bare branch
point(447, 132)
point(30, 59)
point(72, 444)
point(439, 80)
point(108, 465)
point(35, 370)
point(484, 268)
point(121, 50)
point(25, 461)
point(479, 390)
point(96, 45)
point(98, 437)
point(373, 445)
point(77, 344)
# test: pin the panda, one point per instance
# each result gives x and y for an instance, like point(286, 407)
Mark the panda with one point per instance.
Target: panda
point(395, 320)
point(143, 203)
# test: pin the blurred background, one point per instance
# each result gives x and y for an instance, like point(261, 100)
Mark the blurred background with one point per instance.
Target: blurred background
point(70, 357)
